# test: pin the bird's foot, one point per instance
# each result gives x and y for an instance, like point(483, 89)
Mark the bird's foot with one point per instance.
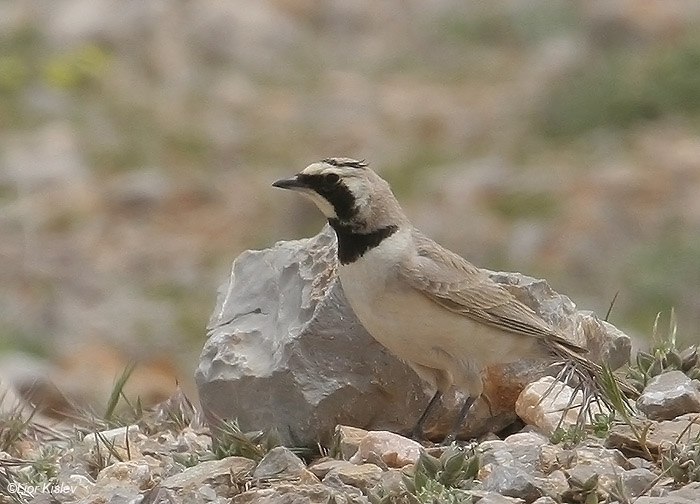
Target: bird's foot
point(459, 420)
point(417, 434)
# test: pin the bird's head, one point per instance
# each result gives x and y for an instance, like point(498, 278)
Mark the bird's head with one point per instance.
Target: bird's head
point(348, 193)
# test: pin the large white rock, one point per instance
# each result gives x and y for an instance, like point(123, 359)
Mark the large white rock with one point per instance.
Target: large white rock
point(286, 351)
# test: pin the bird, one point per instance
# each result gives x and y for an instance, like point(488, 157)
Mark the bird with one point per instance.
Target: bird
point(430, 307)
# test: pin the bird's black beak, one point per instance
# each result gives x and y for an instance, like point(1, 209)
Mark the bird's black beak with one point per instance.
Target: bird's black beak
point(289, 183)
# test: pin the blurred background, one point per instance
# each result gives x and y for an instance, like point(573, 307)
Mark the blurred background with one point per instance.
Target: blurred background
point(139, 139)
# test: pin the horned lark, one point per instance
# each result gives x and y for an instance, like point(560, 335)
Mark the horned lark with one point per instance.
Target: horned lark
point(428, 306)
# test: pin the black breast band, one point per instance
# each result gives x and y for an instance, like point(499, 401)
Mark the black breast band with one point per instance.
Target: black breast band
point(353, 244)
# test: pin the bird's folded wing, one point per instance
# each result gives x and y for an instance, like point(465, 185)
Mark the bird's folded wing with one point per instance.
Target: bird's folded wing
point(459, 286)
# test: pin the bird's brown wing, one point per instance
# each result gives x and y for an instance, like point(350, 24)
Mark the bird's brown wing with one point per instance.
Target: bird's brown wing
point(457, 285)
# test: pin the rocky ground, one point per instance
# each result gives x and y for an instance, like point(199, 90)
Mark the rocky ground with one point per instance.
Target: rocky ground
point(168, 456)
point(139, 141)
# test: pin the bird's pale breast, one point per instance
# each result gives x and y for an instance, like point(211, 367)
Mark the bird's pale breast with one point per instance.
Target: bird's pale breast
point(416, 329)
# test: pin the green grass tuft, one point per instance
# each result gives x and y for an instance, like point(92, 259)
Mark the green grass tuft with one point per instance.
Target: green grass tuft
point(232, 441)
point(117, 393)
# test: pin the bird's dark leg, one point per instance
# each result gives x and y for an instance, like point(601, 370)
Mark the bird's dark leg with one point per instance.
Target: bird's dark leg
point(459, 420)
point(418, 429)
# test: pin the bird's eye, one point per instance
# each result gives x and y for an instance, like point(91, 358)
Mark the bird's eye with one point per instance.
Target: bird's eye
point(331, 179)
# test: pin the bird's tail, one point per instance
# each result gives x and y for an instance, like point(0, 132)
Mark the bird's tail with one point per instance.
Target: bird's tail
point(597, 384)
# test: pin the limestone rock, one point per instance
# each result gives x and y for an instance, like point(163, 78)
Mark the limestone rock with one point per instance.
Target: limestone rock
point(593, 463)
point(122, 482)
point(392, 449)
point(525, 447)
point(637, 481)
point(555, 483)
point(219, 474)
point(286, 351)
point(545, 500)
point(520, 450)
point(349, 439)
point(323, 467)
point(348, 492)
point(669, 395)
point(608, 461)
point(496, 498)
point(549, 458)
point(512, 482)
point(301, 494)
point(546, 404)
point(495, 453)
point(278, 462)
point(363, 476)
point(393, 481)
point(521, 453)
